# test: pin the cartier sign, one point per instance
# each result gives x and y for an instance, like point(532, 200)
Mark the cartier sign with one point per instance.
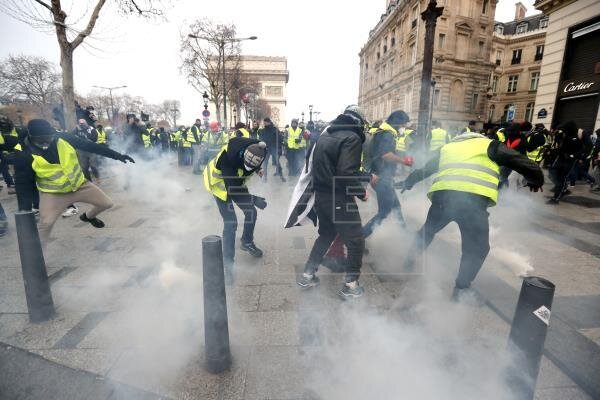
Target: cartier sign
point(579, 86)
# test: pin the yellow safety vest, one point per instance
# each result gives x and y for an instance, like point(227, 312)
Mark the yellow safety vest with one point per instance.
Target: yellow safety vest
point(535, 154)
point(1, 139)
point(438, 138)
point(292, 136)
point(466, 167)
point(101, 137)
point(14, 133)
point(213, 178)
point(501, 136)
point(212, 142)
point(64, 177)
point(244, 132)
point(146, 140)
point(401, 139)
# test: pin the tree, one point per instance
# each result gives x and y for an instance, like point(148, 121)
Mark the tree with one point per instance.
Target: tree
point(202, 59)
point(43, 13)
point(31, 80)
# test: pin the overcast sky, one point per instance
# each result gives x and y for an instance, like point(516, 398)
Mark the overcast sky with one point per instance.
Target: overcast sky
point(320, 38)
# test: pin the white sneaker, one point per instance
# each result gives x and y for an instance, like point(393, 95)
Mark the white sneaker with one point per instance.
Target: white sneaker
point(70, 211)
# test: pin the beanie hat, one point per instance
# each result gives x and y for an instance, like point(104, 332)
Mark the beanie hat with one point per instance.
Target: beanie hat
point(356, 112)
point(397, 118)
point(40, 127)
point(254, 155)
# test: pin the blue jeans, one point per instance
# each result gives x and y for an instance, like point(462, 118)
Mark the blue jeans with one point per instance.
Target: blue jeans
point(387, 201)
point(2, 213)
point(245, 203)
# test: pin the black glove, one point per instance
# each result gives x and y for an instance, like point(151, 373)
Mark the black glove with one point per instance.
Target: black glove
point(298, 140)
point(534, 188)
point(260, 202)
point(403, 186)
point(124, 158)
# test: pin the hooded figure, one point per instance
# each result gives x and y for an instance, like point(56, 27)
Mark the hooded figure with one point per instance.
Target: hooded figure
point(337, 181)
point(569, 151)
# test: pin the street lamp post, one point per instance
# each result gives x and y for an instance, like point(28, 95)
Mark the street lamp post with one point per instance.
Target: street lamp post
point(310, 110)
point(205, 98)
point(112, 107)
point(302, 114)
point(234, 116)
point(430, 16)
point(175, 110)
point(221, 42)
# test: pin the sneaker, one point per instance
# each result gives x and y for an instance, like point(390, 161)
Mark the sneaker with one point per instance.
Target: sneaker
point(552, 201)
point(96, 223)
point(307, 281)
point(252, 249)
point(351, 290)
point(70, 211)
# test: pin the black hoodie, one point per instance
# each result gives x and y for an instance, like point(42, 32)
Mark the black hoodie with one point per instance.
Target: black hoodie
point(231, 161)
point(337, 159)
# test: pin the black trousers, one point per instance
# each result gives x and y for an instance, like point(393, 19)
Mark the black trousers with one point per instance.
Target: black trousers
point(559, 172)
point(470, 213)
point(338, 214)
point(295, 161)
point(8, 179)
point(227, 211)
point(387, 201)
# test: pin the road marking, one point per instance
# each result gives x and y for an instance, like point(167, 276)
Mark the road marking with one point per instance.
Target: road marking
point(77, 333)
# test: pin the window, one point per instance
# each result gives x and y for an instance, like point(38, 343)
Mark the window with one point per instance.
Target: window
point(366, 66)
point(474, 101)
point(495, 84)
point(457, 96)
point(498, 57)
point(441, 40)
point(539, 52)
point(378, 55)
point(491, 113)
point(436, 97)
point(462, 46)
point(521, 28)
point(544, 23)
point(481, 46)
point(385, 45)
point(484, 8)
point(516, 57)
point(513, 80)
point(535, 80)
point(499, 29)
point(415, 16)
point(505, 114)
point(529, 112)
point(384, 73)
point(413, 54)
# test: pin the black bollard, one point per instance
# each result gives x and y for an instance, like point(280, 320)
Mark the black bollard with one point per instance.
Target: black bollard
point(216, 328)
point(35, 277)
point(528, 334)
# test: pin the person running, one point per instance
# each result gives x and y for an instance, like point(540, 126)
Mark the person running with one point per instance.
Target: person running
point(49, 159)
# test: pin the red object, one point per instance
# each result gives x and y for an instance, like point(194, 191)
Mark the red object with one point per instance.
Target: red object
point(336, 250)
point(408, 161)
point(306, 135)
point(214, 126)
point(512, 144)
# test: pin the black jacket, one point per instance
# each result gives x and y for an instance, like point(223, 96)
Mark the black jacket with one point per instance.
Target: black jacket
point(337, 158)
point(231, 161)
point(498, 153)
point(269, 135)
point(24, 174)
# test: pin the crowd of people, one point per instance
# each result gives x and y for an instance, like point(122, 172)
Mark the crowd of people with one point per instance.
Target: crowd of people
point(332, 165)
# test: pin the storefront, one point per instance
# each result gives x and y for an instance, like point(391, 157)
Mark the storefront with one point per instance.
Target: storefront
point(569, 85)
point(579, 89)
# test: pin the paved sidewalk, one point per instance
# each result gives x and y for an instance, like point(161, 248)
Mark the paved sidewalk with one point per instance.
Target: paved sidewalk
point(129, 304)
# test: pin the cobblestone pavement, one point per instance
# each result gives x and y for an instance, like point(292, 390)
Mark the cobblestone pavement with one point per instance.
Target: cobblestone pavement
point(129, 303)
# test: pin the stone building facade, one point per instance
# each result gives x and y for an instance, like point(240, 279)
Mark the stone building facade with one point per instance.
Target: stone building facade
point(517, 53)
point(271, 76)
point(391, 61)
point(569, 87)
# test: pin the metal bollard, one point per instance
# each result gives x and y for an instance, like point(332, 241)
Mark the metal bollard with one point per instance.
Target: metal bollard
point(216, 329)
point(35, 277)
point(528, 334)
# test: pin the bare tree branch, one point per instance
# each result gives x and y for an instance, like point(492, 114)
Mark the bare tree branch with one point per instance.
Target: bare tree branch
point(90, 26)
point(40, 2)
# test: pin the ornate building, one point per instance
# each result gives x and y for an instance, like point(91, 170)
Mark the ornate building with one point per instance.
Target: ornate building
point(270, 76)
point(517, 53)
point(391, 61)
